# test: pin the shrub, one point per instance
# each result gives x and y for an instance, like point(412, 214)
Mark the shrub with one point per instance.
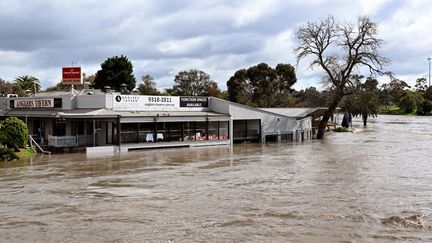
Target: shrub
point(428, 93)
point(341, 129)
point(13, 133)
point(424, 108)
point(407, 103)
point(7, 154)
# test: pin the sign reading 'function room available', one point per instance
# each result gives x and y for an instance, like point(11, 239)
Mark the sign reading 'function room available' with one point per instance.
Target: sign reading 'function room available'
point(159, 103)
point(193, 101)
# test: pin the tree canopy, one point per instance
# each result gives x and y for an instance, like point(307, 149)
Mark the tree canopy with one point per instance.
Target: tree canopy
point(27, 82)
point(13, 133)
point(262, 85)
point(364, 99)
point(193, 82)
point(148, 86)
point(10, 88)
point(340, 50)
point(114, 72)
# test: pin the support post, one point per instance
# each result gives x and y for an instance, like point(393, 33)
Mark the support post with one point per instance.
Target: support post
point(94, 132)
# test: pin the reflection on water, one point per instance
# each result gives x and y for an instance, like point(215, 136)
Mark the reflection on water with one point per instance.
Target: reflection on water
point(370, 185)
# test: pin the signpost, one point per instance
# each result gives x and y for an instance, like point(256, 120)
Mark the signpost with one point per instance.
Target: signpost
point(71, 75)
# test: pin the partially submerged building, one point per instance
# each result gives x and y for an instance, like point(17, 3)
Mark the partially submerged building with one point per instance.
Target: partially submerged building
point(110, 121)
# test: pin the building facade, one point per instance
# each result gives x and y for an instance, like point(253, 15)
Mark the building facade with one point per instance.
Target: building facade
point(110, 120)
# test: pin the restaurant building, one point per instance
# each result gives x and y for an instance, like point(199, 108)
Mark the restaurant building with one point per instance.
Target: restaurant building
point(111, 121)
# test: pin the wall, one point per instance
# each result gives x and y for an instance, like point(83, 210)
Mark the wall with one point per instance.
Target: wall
point(3, 104)
point(92, 101)
point(271, 123)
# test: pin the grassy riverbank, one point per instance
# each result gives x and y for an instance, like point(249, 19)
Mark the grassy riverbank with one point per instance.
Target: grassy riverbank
point(25, 152)
point(394, 110)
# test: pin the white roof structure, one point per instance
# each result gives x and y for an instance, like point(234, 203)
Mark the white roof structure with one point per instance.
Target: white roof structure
point(293, 112)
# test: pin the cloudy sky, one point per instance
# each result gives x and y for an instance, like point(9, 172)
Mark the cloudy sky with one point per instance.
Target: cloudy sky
point(162, 37)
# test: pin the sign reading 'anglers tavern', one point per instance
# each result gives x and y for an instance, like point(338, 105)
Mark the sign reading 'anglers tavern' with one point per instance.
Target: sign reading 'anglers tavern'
point(37, 103)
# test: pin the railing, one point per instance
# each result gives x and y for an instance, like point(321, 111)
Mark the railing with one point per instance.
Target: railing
point(84, 140)
point(62, 141)
point(33, 144)
point(70, 141)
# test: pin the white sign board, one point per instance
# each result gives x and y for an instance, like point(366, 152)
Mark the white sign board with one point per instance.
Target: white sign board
point(158, 103)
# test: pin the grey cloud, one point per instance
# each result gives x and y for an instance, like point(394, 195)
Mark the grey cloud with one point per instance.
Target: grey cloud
point(163, 37)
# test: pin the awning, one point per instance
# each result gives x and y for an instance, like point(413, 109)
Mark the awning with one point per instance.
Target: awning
point(77, 113)
point(171, 116)
point(126, 116)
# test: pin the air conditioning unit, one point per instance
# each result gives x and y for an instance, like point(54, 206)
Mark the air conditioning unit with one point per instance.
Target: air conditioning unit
point(11, 95)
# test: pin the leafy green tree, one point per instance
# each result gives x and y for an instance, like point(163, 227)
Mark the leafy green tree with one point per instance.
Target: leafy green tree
point(88, 80)
point(428, 93)
point(408, 102)
point(148, 86)
point(367, 105)
point(397, 89)
point(310, 97)
point(424, 108)
point(384, 95)
point(239, 88)
point(420, 85)
point(262, 78)
point(171, 92)
point(10, 88)
point(114, 72)
point(364, 100)
point(340, 50)
point(193, 82)
point(262, 86)
point(27, 82)
point(13, 133)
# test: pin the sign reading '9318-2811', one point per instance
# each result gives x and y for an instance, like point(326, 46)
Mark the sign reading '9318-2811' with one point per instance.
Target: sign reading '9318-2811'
point(159, 103)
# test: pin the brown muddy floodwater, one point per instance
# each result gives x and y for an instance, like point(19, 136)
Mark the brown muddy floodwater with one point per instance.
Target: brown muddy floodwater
point(374, 184)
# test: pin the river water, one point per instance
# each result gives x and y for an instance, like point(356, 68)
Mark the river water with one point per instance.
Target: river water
point(350, 187)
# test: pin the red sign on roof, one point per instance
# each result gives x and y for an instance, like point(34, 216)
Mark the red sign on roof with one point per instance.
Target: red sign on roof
point(71, 75)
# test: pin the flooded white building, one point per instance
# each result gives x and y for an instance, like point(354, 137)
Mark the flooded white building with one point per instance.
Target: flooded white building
point(110, 121)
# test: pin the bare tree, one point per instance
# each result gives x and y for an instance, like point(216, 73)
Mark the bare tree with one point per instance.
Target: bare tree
point(341, 51)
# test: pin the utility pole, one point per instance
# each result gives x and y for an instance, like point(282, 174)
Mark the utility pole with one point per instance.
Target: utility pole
point(429, 59)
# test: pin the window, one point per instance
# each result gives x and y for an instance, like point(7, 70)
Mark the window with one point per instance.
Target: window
point(213, 130)
point(201, 130)
point(189, 131)
point(223, 130)
point(175, 131)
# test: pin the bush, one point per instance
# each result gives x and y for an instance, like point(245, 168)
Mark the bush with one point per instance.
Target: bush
point(341, 129)
point(407, 103)
point(13, 133)
point(7, 154)
point(424, 108)
point(428, 93)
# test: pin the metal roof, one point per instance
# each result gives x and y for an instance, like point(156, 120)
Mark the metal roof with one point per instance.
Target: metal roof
point(169, 113)
point(294, 112)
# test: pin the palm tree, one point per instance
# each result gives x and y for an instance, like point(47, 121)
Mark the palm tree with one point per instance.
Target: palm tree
point(28, 82)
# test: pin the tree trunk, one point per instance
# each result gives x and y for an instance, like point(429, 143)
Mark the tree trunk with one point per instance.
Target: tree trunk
point(322, 126)
point(364, 120)
point(323, 123)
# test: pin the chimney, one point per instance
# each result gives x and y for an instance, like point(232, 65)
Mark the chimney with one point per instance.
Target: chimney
point(106, 89)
